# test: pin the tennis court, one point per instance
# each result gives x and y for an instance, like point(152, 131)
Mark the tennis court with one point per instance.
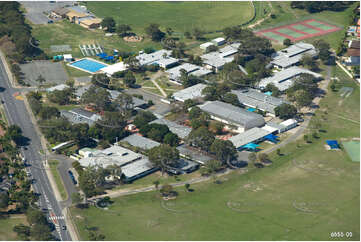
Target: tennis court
point(319, 25)
point(304, 29)
point(352, 149)
point(298, 31)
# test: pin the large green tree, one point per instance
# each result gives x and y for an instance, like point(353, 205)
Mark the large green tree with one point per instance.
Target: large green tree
point(201, 138)
point(109, 24)
point(224, 150)
point(164, 157)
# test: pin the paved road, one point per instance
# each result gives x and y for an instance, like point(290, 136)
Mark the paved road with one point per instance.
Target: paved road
point(17, 114)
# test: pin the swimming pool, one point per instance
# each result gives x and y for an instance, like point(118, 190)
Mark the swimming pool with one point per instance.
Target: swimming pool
point(88, 65)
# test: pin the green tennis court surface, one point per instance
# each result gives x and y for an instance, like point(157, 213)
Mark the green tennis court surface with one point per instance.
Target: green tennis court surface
point(290, 32)
point(274, 36)
point(353, 150)
point(319, 25)
point(305, 29)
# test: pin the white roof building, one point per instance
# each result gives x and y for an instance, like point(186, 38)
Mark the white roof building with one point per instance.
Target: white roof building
point(252, 135)
point(219, 41)
point(174, 73)
point(114, 155)
point(152, 58)
point(138, 169)
point(218, 59)
point(189, 93)
point(111, 69)
point(284, 79)
point(204, 46)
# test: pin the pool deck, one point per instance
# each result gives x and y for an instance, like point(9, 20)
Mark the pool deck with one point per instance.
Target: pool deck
point(86, 58)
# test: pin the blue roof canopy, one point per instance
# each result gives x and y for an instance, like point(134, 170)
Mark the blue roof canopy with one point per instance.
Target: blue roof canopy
point(333, 144)
point(271, 137)
point(251, 146)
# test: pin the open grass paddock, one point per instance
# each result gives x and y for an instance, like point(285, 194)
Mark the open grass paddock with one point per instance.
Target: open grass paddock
point(180, 16)
point(306, 194)
point(6, 227)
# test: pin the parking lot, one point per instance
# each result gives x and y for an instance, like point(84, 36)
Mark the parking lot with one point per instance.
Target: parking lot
point(35, 10)
point(52, 72)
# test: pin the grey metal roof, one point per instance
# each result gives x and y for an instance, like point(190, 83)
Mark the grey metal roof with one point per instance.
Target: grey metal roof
point(166, 61)
point(255, 99)
point(248, 136)
point(282, 79)
point(193, 154)
point(137, 168)
point(114, 155)
point(233, 114)
point(79, 115)
point(146, 59)
point(81, 90)
point(275, 125)
point(190, 92)
point(185, 164)
point(293, 54)
point(201, 72)
point(174, 73)
point(180, 130)
point(141, 142)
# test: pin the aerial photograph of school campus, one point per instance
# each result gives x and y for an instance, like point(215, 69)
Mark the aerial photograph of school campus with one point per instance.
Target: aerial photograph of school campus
point(180, 120)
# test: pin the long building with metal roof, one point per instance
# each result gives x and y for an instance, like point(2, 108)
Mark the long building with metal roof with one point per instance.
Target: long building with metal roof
point(256, 99)
point(232, 115)
point(189, 92)
point(284, 79)
point(180, 130)
point(252, 135)
point(141, 142)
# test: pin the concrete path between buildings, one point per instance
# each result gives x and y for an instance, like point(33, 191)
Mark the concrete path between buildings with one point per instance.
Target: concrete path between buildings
point(344, 69)
point(153, 79)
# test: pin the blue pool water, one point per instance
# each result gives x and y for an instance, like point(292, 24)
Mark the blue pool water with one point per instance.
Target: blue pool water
point(88, 65)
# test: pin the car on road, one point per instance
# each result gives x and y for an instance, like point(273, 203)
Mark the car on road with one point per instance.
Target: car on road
point(28, 174)
point(64, 227)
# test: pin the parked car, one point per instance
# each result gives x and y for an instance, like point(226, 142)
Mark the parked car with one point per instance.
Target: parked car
point(72, 177)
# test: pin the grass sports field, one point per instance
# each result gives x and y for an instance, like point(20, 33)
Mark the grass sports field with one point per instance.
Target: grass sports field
point(305, 195)
point(298, 31)
point(180, 16)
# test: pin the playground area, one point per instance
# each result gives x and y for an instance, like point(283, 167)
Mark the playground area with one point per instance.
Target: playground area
point(298, 31)
point(88, 65)
point(352, 149)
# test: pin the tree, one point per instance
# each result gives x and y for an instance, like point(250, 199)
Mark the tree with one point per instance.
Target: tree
point(201, 138)
point(4, 199)
point(154, 32)
point(101, 80)
point(156, 184)
point(48, 112)
point(272, 88)
point(169, 31)
point(98, 96)
point(166, 190)
point(41, 232)
point(168, 43)
point(263, 157)
point(61, 97)
point(309, 61)
point(195, 112)
point(333, 87)
point(171, 139)
point(303, 98)
point(129, 79)
point(232, 98)
point(278, 152)
point(285, 111)
point(15, 133)
point(22, 230)
point(188, 35)
point(213, 166)
point(164, 157)
point(323, 48)
point(306, 138)
point(133, 64)
point(216, 127)
point(211, 48)
point(109, 24)
point(197, 33)
point(125, 104)
point(287, 42)
point(40, 79)
point(143, 118)
point(224, 150)
point(123, 30)
point(35, 216)
point(252, 157)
